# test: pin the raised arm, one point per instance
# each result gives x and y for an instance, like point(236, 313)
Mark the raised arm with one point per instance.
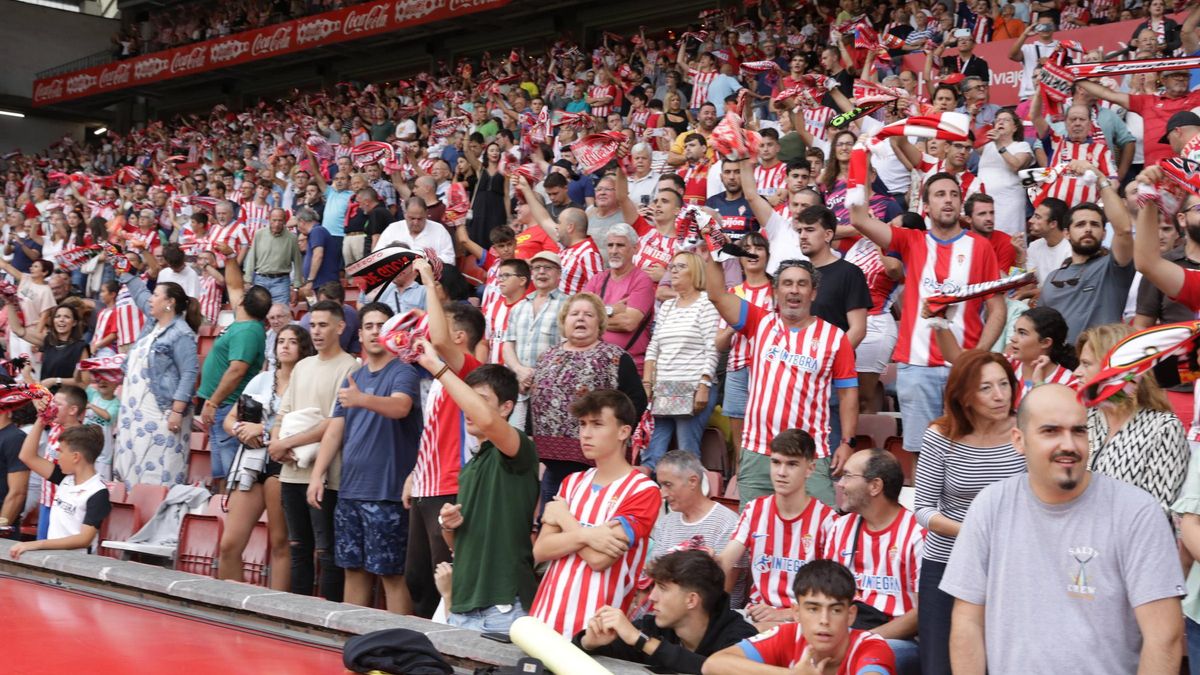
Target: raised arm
point(1036, 116)
point(629, 210)
point(315, 171)
point(909, 154)
point(1104, 93)
point(760, 207)
point(494, 425)
point(1114, 210)
point(439, 326)
point(1164, 274)
point(867, 224)
point(727, 304)
point(1191, 43)
point(540, 215)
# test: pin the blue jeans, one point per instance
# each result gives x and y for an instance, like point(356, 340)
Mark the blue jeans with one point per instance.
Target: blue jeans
point(223, 446)
point(489, 619)
point(688, 430)
point(280, 288)
point(43, 521)
point(921, 400)
point(933, 621)
point(908, 659)
point(1193, 645)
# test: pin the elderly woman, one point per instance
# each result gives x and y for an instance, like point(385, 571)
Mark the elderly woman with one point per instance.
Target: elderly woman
point(582, 363)
point(1006, 153)
point(154, 421)
point(1135, 437)
point(965, 450)
point(681, 362)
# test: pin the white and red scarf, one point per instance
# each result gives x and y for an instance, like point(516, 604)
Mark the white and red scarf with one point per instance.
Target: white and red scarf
point(950, 126)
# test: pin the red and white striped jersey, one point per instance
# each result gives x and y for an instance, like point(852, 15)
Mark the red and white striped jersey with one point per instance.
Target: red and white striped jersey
point(571, 591)
point(885, 564)
point(50, 452)
point(496, 323)
point(130, 319)
point(866, 255)
point(491, 288)
point(232, 235)
point(445, 444)
point(580, 262)
point(783, 646)
point(778, 548)
point(981, 32)
point(210, 298)
point(816, 120)
point(967, 182)
point(1059, 375)
point(644, 119)
point(1100, 8)
point(145, 241)
point(932, 267)
point(603, 91)
point(655, 248)
point(254, 217)
point(1069, 188)
point(106, 324)
point(700, 81)
point(695, 183)
point(739, 346)
point(791, 374)
point(770, 180)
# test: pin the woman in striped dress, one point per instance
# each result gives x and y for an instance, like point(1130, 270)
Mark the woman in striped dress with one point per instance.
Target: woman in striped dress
point(968, 448)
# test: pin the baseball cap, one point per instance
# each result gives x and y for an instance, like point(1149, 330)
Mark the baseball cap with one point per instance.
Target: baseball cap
point(548, 257)
point(1183, 118)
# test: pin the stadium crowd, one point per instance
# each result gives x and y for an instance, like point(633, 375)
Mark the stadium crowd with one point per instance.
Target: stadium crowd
point(600, 265)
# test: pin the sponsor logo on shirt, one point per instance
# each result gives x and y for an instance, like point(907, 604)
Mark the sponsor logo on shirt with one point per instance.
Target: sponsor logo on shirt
point(768, 563)
point(1081, 585)
point(880, 583)
point(806, 363)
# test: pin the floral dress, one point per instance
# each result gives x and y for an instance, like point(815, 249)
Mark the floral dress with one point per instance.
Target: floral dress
point(146, 451)
point(560, 377)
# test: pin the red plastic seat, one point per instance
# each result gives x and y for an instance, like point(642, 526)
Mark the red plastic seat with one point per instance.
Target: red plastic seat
point(145, 500)
point(715, 483)
point(714, 452)
point(198, 441)
point(199, 467)
point(120, 524)
point(116, 491)
point(878, 427)
point(199, 543)
point(731, 489)
point(257, 556)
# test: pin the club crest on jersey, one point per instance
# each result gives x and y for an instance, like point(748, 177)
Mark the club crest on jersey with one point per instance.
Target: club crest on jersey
point(1081, 585)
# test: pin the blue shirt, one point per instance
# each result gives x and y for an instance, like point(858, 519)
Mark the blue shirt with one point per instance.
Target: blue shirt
point(378, 453)
point(334, 218)
point(722, 85)
point(580, 190)
point(19, 259)
point(331, 260)
point(349, 337)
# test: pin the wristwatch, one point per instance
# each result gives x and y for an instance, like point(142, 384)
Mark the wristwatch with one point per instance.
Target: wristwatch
point(1003, 150)
point(851, 442)
point(608, 310)
point(641, 642)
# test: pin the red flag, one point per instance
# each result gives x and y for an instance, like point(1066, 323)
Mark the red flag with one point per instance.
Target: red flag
point(594, 151)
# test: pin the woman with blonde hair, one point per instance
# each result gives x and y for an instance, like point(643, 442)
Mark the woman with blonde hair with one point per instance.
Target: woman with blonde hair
point(1135, 437)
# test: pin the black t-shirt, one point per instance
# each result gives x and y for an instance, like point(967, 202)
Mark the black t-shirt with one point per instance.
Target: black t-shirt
point(11, 438)
point(378, 220)
point(842, 287)
point(972, 67)
point(846, 83)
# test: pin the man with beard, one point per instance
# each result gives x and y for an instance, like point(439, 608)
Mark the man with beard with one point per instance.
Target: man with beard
point(1183, 135)
point(695, 170)
point(980, 209)
point(706, 121)
point(737, 218)
point(1091, 287)
point(1076, 554)
point(628, 295)
point(938, 260)
point(580, 256)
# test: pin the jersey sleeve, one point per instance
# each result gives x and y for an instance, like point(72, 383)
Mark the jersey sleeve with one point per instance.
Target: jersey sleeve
point(641, 226)
point(845, 373)
point(874, 657)
point(638, 513)
point(774, 647)
point(749, 317)
point(1189, 295)
point(98, 508)
point(1137, 102)
point(741, 532)
point(902, 241)
point(56, 475)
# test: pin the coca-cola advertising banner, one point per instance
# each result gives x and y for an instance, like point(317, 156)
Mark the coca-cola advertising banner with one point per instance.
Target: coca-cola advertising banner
point(1006, 74)
point(283, 38)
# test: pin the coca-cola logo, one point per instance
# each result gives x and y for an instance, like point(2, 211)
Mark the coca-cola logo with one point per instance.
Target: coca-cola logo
point(411, 10)
point(110, 77)
point(80, 83)
point(372, 20)
point(189, 60)
point(48, 90)
point(459, 5)
point(278, 41)
point(149, 67)
point(227, 50)
point(316, 30)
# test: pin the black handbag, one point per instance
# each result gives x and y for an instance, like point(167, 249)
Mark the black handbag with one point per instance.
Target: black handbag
point(249, 410)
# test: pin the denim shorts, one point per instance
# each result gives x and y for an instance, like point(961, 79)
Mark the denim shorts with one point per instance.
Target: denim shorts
point(223, 445)
point(922, 402)
point(737, 392)
point(370, 536)
point(488, 619)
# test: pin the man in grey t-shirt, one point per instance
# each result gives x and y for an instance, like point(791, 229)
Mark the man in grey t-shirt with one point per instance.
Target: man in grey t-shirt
point(1062, 570)
point(1092, 288)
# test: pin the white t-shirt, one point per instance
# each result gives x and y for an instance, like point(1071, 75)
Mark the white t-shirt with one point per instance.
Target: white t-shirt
point(77, 505)
point(188, 279)
point(785, 242)
point(1042, 259)
point(434, 236)
point(1031, 54)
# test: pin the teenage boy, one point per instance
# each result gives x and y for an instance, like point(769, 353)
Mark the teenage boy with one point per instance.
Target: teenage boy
point(81, 500)
point(375, 429)
point(782, 531)
point(488, 526)
point(691, 620)
point(595, 533)
point(454, 330)
point(71, 402)
point(821, 639)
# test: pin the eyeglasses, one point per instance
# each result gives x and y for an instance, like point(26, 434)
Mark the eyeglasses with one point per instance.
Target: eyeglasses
point(844, 476)
point(543, 268)
point(677, 267)
point(504, 276)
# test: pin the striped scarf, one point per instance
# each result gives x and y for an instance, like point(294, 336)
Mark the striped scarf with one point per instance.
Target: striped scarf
point(950, 126)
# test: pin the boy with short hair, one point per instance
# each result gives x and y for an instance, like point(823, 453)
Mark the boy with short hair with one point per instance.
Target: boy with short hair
point(81, 500)
point(782, 531)
point(71, 402)
point(488, 526)
point(102, 408)
point(821, 639)
point(596, 531)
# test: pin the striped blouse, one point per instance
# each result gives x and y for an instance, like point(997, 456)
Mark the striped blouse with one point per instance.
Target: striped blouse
point(684, 341)
point(949, 475)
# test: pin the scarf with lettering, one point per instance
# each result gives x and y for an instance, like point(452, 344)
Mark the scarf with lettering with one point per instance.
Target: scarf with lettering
point(950, 126)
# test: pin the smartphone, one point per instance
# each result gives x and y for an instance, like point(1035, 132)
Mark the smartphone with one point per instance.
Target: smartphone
point(497, 637)
point(645, 200)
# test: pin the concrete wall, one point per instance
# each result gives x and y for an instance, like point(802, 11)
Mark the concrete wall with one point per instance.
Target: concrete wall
point(37, 38)
point(34, 134)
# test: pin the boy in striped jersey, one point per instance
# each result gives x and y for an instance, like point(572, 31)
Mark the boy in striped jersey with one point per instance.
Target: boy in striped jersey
point(782, 532)
point(880, 541)
point(595, 534)
point(820, 641)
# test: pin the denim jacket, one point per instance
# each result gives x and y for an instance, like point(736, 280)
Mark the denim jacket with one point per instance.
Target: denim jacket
point(174, 361)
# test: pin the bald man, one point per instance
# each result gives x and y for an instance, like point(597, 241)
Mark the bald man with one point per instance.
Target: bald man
point(1088, 563)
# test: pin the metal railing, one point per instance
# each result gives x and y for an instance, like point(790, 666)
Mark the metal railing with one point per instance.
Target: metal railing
point(97, 59)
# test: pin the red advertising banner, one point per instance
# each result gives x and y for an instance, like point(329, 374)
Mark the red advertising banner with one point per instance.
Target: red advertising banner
point(296, 35)
point(1006, 74)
